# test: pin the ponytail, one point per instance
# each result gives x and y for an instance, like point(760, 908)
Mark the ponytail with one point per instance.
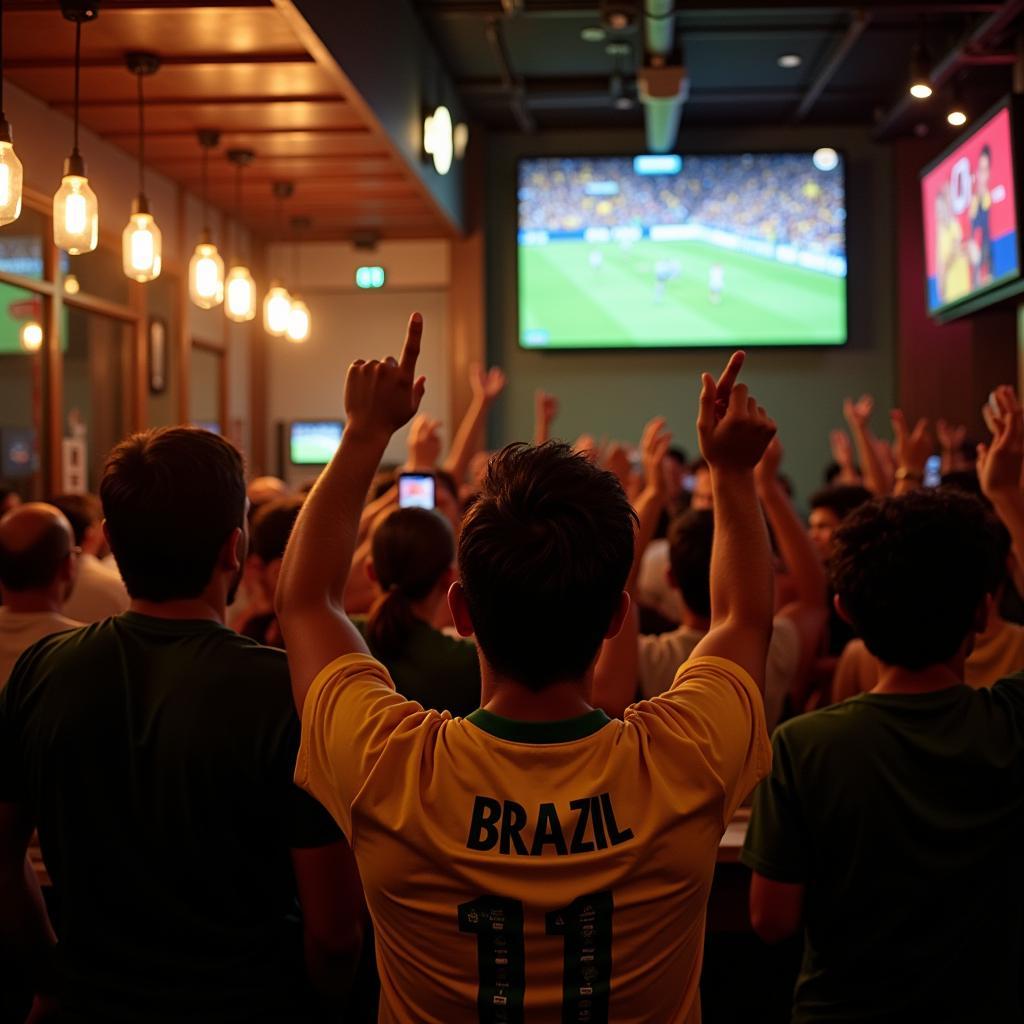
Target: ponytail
point(389, 623)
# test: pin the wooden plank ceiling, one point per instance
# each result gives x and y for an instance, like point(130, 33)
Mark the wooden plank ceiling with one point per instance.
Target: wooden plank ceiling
point(238, 69)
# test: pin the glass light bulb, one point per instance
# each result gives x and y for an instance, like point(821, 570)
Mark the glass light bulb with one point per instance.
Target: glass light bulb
point(72, 286)
point(141, 243)
point(76, 216)
point(299, 321)
point(31, 336)
point(276, 308)
point(239, 295)
point(10, 184)
point(206, 276)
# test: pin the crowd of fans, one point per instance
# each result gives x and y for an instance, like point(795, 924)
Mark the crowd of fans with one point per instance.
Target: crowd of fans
point(256, 734)
point(778, 198)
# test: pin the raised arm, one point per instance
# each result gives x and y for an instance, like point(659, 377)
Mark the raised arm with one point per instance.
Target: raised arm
point(809, 611)
point(734, 433)
point(545, 409)
point(858, 416)
point(912, 449)
point(1000, 462)
point(617, 671)
point(380, 398)
point(466, 443)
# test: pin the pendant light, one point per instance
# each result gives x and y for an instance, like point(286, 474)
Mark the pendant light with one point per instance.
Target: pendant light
point(76, 215)
point(278, 303)
point(206, 268)
point(239, 287)
point(10, 165)
point(141, 240)
point(300, 322)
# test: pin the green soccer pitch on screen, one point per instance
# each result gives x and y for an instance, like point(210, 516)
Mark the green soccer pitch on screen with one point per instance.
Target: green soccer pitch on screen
point(669, 251)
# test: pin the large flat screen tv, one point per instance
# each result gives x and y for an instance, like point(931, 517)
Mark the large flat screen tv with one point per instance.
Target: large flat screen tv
point(969, 205)
point(313, 442)
point(682, 251)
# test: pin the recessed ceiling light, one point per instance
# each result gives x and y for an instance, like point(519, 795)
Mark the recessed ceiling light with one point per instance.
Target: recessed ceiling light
point(593, 34)
point(790, 60)
point(618, 49)
point(957, 118)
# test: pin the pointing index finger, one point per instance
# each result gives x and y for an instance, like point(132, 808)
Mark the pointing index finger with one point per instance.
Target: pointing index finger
point(411, 348)
point(729, 375)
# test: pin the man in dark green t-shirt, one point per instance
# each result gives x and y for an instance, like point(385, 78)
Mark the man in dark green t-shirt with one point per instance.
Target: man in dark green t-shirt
point(154, 752)
point(890, 827)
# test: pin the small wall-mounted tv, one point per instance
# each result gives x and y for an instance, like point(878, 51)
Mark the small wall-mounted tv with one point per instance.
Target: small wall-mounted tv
point(313, 442)
point(673, 251)
point(969, 202)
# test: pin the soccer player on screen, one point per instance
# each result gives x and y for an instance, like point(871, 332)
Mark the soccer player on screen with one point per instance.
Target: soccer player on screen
point(981, 229)
point(716, 283)
point(536, 861)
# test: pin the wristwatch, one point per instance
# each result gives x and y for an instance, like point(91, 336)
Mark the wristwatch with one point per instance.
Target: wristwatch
point(908, 474)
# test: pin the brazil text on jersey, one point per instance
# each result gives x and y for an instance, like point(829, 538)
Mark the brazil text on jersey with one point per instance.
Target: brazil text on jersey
point(589, 823)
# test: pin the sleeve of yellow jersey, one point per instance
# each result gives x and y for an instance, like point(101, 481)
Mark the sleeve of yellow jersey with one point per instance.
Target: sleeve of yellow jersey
point(351, 711)
point(714, 706)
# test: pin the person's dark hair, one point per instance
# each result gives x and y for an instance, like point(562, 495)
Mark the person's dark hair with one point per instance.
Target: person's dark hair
point(842, 499)
point(911, 573)
point(272, 526)
point(412, 548)
point(964, 480)
point(986, 152)
point(37, 564)
point(544, 554)
point(677, 455)
point(689, 551)
point(171, 498)
point(80, 510)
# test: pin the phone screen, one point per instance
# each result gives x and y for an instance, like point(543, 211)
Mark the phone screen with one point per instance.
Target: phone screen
point(416, 490)
point(933, 471)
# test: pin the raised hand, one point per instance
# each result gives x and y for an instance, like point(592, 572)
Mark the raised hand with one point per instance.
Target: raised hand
point(767, 471)
point(424, 442)
point(911, 448)
point(1000, 463)
point(617, 461)
point(381, 396)
point(951, 436)
point(842, 448)
point(858, 413)
point(486, 385)
point(545, 409)
point(733, 431)
point(654, 446)
point(587, 446)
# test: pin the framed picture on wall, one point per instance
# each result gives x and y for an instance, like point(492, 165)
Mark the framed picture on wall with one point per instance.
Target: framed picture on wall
point(157, 356)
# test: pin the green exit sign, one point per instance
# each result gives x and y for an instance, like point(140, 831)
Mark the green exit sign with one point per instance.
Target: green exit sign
point(369, 277)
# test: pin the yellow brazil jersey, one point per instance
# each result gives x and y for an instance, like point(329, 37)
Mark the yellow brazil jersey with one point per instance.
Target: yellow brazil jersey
point(957, 274)
point(535, 872)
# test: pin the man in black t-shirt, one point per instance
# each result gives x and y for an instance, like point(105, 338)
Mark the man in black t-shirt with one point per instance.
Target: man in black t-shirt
point(890, 828)
point(154, 753)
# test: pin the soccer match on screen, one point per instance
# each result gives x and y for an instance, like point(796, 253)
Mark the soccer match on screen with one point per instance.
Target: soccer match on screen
point(676, 251)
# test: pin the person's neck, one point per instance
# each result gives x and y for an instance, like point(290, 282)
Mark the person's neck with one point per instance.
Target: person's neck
point(426, 610)
point(202, 607)
point(511, 699)
point(26, 602)
point(895, 679)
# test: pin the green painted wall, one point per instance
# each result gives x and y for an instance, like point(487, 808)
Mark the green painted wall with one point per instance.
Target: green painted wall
point(614, 393)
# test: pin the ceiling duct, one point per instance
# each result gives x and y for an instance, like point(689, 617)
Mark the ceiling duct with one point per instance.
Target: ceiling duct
point(662, 83)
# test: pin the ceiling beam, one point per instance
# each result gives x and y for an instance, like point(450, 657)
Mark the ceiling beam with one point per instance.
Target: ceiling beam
point(37, 6)
point(166, 60)
point(577, 8)
point(840, 51)
point(512, 82)
point(206, 101)
point(175, 133)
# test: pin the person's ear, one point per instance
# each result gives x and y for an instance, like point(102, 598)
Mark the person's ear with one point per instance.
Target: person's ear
point(841, 611)
point(619, 617)
point(371, 572)
point(232, 554)
point(459, 608)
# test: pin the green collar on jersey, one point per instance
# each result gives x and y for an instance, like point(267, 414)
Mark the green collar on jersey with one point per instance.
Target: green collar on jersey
point(564, 731)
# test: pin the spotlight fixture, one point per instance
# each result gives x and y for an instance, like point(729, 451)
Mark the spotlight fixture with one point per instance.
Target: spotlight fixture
point(206, 267)
point(10, 165)
point(789, 60)
point(617, 15)
point(920, 70)
point(239, 287)
point(278, 302)
point(956, 116)
point(75, 209)
point(141, 241)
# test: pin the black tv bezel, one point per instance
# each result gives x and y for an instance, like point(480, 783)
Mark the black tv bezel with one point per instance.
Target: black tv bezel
point(320, 419)
point(695, 346)
point(997, 291)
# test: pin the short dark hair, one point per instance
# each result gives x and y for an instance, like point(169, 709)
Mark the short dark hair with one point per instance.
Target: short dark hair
point(272, 526)
point(36, 565)
point(690, 537)
point(986, 152)
point(171, 498)
point(544, 554)
point(911, 573)
point(842, 499)
point(412, 549)
point(80, 510)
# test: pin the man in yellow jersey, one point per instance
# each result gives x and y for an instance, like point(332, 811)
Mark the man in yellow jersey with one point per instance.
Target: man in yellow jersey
point(535, 861)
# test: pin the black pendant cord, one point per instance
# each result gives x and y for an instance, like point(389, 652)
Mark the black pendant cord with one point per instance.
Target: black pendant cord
point(206, 205)
point(142, 138)
point(2, 117)
point(78, 70)
point(238, 211)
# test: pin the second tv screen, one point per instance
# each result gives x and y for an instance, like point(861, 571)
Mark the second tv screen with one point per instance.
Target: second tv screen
point(678, 251)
